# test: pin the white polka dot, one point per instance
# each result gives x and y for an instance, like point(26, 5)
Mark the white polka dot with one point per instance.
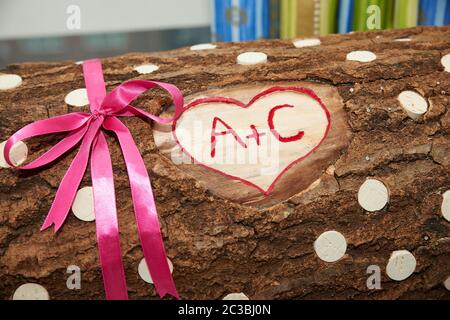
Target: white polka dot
point(403, 40)
point(203, 46)
point(373, 195)
point(306, 43)
point(79, 62)
point(144, 273)
point(361, 56)
point(9, 81)
point(83, 205)
point(447, 283)
point(18, 154)
point(236, 296)
point(249, 58)
point(445, 207)
point(31, 291)
point(330, 246)
point(77, 98)
point(446, 62)
point(146, 68)
point(401, 265)
point(413, 103)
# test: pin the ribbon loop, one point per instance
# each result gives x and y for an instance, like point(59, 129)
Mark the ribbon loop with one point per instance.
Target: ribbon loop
point(119, 98)
point(95, 83)
point(64, 123)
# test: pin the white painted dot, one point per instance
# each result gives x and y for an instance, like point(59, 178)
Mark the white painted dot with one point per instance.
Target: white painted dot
point(401, 265)
point(330, 246)
point(144, 273)
point(248, 58)
point(413, 103)
point(447, 283)
point(18, 154)
point(445, 207)
point(403, 40)
point(77, 98)
point(373, 195)
point(31, 291)
point(446, 62)
point(361, 56)
point(236, 296)
point(203, 46)
point(146, 68)
point(83, 205)
point(306, 43)
point(9, 81)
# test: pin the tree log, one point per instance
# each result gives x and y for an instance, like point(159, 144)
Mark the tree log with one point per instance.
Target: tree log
point(221, 242)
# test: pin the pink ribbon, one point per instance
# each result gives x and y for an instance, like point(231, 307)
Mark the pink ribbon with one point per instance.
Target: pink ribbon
point(87, 128)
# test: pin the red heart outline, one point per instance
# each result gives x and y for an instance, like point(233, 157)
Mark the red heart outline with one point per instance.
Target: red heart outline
point(197, 102)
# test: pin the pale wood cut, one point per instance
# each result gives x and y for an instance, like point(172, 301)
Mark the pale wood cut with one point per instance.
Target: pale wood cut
point(275, 157)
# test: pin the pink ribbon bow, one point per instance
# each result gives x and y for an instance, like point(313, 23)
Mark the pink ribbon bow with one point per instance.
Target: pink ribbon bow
point(86, 127)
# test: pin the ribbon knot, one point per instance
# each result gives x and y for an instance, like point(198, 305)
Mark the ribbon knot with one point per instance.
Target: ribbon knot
point(87, 129)
point(99, 114)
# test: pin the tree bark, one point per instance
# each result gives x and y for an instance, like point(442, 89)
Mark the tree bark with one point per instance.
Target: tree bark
point(218, 245)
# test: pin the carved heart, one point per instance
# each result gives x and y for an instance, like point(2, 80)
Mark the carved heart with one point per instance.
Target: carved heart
point(256, 142)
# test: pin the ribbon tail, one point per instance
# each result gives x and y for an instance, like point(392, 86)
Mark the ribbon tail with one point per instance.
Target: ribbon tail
point(145, 210)
point(64, 123)
point(69, 184)
point(106, 221)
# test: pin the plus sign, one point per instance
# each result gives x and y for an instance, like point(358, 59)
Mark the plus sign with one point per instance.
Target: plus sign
point(255, 134)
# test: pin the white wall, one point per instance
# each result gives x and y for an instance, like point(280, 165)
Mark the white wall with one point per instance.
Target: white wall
point(34, 18)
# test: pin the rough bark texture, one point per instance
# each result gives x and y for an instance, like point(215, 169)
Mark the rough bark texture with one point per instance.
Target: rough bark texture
point(217, 246)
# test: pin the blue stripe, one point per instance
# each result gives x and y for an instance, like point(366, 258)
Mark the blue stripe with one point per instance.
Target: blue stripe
point(259, 19)
point(242, 27)
point(217, 20)
point(350, 17)
point(440, 12)
point(427, 12)
point(226, 6)
point(345, 16)
point(266, 19)
point(447, 13)
point(248, 30)
point(251, 5)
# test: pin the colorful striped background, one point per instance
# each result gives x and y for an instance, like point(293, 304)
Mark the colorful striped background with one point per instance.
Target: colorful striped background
point(240, 20)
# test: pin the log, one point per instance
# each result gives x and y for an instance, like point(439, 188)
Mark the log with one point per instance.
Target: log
point(317, 235)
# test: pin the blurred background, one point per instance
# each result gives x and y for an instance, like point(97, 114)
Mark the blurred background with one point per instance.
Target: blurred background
point(81, 29)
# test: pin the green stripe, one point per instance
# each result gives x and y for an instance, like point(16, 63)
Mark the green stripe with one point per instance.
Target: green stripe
point(388, 21)
point(284, 19)
point(359, 12)
point(406, 13)
point(328, 11)
point(293, 19)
